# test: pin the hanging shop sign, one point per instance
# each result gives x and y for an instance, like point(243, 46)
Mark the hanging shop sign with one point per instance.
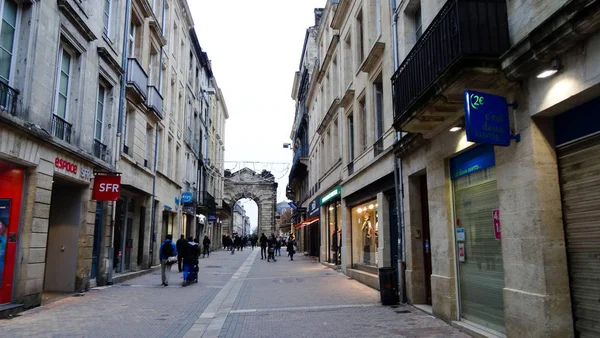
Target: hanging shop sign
point(187, 197)
point(314, 208)
point(497, 229)
point(486, 118)
point(212, 217)
point(331, 195)
point(106, 188)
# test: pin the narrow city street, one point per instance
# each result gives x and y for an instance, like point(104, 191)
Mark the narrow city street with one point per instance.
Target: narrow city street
point(237, 295)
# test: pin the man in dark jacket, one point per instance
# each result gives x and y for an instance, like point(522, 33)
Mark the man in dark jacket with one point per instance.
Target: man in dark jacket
point(263, 246)
point(190, 259)
point(181, 245)
point(206, 247)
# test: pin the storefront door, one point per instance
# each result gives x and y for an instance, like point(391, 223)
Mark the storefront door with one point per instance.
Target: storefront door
point(11, 189)
point(479, 250)
point(427, 268)
point(97, 240)
point(579, 166)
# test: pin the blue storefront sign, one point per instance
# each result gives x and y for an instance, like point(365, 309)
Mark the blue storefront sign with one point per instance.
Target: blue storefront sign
point(187, 197)
point(479, 158)
point(212, 217)
point(314, 208)
point(486, 118)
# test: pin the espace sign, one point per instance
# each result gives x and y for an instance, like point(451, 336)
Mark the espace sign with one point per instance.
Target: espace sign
point(106, 188)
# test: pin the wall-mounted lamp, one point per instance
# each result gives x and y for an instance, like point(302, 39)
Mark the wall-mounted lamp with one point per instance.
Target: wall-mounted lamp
point(455, 129)
point(553, 69)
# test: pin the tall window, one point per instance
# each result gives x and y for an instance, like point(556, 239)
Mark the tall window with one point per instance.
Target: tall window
point(363, 124)
point(418, 23)
point(63, 85)
point(100, 113)
point(107, 9)
point(131, 39)
point(378, 105)
point(350, 138)
point(126, 133)
point(7, 34)
point(149, 142)
point(360, 47)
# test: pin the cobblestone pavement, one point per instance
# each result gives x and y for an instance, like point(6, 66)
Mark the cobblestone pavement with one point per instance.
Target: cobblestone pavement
point(237, 295)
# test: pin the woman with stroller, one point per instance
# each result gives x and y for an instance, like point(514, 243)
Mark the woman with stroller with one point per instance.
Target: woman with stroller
point(190, 262)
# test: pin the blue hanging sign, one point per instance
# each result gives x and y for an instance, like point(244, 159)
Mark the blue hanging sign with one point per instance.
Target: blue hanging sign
point(486, 118)
point(212, 217)
point(187, 197)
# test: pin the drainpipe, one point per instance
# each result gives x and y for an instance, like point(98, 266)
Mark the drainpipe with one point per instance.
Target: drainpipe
point(153, 206)
point(399, 262)
point(119, 131)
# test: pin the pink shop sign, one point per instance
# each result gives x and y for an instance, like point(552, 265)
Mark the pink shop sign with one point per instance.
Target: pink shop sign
point(497, 229)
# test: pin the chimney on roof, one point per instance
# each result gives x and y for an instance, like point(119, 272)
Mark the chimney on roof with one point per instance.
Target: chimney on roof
point(318, 14)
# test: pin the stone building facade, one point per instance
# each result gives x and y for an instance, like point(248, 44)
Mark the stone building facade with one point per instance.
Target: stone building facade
point(65, 117)
point(501, 239)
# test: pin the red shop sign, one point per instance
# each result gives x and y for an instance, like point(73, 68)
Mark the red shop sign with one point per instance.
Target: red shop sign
point(106, 188)
point(497, 229)
point(65, 165)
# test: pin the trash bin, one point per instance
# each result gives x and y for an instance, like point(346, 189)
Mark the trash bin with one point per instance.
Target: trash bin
point(388, 286)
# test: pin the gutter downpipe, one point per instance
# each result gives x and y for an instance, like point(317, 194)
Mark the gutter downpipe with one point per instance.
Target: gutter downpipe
point(119, 147)
point(400, 262)
point(153, 206)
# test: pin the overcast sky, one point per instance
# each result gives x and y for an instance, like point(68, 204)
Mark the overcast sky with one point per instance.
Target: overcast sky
point(255, 48)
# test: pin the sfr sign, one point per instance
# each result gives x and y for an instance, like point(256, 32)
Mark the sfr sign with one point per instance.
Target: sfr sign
point(106, 188)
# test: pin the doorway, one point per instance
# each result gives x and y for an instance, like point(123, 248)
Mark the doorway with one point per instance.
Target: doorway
point(141, 234)
point(63, 236)
point(97, 241)
point(427, 270)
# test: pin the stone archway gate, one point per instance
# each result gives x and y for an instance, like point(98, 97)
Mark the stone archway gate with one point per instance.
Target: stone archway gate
point(260, 187)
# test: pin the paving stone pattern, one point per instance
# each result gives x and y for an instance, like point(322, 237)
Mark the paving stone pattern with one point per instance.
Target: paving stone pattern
point(292, 299)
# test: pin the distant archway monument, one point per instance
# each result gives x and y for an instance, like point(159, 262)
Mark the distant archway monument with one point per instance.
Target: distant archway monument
point(259, 187)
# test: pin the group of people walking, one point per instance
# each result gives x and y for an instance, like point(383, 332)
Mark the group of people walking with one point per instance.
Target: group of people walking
point(186, 253)
point(271, 246)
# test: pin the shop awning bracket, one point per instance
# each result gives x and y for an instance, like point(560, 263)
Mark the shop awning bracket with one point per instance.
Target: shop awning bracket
point(514, 106)
point(111, 173)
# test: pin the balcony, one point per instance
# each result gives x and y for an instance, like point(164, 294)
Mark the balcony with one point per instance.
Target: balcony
point(459, 50)
point(61, 128)
point(206, 201)
point(155, 101)
point(8, 98)
point(300, 164)
point(100, 150)
point(137, 78)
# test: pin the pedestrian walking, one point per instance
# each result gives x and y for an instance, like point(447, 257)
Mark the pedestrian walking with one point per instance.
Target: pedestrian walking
point(291, 247)
point(272, 244)
point(181, 244)
point(278, 246)
point(264, 241)
point(253, 242)
point(224, 242)
point(167, 253)
point(190, 262)
point(206, 247)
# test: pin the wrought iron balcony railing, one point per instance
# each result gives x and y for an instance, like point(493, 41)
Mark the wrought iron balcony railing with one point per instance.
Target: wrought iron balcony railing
point(465, 33)
point(207, 200)
point(8, 98)
point(137, 77)
point(61, 128)
point(100, 150)
point(155, 101)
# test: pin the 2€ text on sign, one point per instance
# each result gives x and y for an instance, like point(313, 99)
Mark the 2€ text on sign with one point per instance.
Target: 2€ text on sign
point(106, 188)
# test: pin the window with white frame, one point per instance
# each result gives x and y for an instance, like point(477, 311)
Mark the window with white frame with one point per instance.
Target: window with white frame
point(98, 132)
point(63, 85)
point(131, 40)
point(107, 22)
point(8, 31)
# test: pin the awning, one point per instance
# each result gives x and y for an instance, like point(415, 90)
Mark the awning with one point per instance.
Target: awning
point(307, 222)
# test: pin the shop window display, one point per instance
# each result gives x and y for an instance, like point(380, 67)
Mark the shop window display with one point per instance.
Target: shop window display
point(365, 234)
point(334, 217)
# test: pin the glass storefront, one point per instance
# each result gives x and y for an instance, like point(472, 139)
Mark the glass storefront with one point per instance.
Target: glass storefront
point(365, 232)
point(478, 238)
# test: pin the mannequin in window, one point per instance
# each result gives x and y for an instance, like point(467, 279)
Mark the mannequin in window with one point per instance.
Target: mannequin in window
point(367, 238)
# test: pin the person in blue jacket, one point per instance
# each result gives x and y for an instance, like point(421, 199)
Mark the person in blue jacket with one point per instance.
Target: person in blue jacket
point(167, 250)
